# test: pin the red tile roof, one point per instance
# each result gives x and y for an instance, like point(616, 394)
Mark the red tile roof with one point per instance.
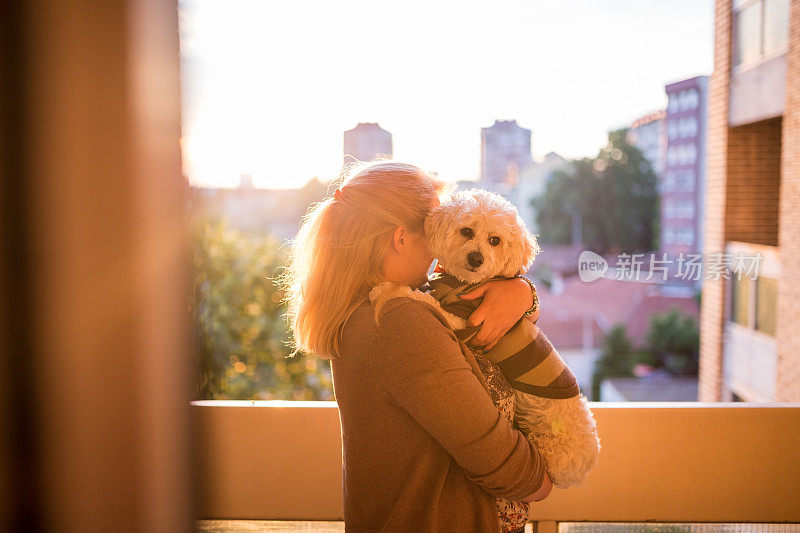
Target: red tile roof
point(558, 258)
point(565, 317)
point(648, 118)
point(572, 331)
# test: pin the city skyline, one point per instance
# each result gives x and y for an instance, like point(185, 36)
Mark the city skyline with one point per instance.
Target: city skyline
point(268, 91)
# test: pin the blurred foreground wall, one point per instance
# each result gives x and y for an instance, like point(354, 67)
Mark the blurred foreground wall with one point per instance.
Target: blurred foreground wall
point(95, 368)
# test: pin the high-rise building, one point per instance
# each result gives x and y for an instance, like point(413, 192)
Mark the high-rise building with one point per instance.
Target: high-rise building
point(649, 135)
point(750, 319)
point(532, 183)
point(367, 141)
point(246, 181)
point(682, 183)
point(505, 151)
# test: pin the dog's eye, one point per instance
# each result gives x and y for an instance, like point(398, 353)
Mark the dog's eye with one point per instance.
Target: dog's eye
point(467, 232)
point(494, 241)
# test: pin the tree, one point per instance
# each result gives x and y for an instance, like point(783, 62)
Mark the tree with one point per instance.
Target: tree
point(674, 342)
point(240, 333)
point(616, 359)
point(557, 206)
point(615, 194)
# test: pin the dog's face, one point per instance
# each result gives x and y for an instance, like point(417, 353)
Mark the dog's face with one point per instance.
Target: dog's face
point(478, 234)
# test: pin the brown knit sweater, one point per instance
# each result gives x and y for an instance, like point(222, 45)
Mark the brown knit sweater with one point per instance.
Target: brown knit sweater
point(424, 449)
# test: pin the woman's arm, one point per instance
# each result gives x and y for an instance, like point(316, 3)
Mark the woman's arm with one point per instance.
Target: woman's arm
point(504, 303)
point(542, 493)
point(417, 362)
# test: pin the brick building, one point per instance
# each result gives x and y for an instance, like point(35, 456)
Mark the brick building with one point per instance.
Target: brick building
point(750, 328)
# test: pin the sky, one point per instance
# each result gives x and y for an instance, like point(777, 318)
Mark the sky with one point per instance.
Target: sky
point(269, 87)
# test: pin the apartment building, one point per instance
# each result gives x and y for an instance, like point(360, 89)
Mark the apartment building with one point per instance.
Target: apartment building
point(648, 133)
point(750, 319)
point(682, 182)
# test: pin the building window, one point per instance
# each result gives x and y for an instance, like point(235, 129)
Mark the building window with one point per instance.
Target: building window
point(776, 25)
point(683, 208)
point(669, 235)
point(687, 127)
point(740, 301)
point(673, 129)
point(685, 154)
point(688, 180)
point(669, 181)
point(685, 235)
point(685, 180)
point(672, 104)
point(688, 99)
point(766, 297)
point(761, 293)
point(748, 33)
point(761, 27)
point(692, 98)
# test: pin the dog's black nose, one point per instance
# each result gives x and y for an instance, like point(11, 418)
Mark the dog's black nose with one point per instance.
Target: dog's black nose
point(475, 259)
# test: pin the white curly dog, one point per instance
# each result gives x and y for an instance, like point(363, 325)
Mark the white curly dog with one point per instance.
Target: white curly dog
point(478, 235)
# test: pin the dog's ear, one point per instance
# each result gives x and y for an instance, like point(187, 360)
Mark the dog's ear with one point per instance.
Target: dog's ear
point(524, 248)
point(435, 230)
point(532, 249)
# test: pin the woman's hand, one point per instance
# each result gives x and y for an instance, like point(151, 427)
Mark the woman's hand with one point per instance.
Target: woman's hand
point(504, 303)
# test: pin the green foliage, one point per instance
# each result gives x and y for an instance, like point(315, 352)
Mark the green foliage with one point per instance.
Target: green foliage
point(698, 297)
point(615, 194)
point(616, 359)
point(555, 208)
point(543, 274)
point(674, 342)
point(239, 329)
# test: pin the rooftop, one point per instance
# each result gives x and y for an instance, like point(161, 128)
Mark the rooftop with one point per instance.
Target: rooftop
point(655, 388)
point(605, 303)
point(648, 118)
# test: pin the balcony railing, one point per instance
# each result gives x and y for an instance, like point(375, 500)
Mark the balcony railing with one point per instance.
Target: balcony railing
point(660, 462)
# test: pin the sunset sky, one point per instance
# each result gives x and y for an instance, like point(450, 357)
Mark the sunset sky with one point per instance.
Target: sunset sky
point(269, 87)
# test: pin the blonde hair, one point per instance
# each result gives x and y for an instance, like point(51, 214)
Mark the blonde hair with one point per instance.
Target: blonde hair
point(337, 256)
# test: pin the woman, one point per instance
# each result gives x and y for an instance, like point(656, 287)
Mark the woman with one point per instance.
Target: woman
point(423, 446)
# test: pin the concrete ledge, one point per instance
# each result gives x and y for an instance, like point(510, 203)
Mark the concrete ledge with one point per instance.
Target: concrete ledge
point(671, 462)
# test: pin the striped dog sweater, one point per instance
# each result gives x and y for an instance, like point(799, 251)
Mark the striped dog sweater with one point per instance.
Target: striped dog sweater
point(525, 356)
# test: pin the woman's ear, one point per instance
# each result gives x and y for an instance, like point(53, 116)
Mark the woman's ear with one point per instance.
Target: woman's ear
point(398, 240)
